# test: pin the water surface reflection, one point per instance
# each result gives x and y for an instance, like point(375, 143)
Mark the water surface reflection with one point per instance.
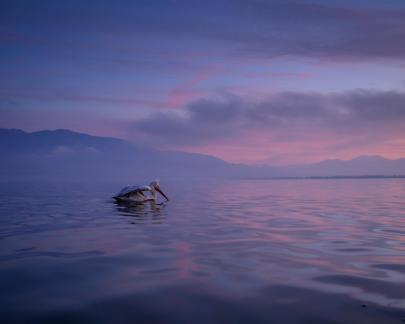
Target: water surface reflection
point(141, 212)
point(247, 251)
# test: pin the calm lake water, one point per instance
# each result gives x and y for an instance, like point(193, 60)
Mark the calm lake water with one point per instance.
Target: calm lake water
point(274, 251)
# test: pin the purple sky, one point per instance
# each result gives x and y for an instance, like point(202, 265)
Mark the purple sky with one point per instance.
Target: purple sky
point(276, 82)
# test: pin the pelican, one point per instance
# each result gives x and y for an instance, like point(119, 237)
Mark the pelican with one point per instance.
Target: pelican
point(136, 194)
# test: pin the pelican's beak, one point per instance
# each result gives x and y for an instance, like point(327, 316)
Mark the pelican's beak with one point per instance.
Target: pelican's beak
point(161, 192)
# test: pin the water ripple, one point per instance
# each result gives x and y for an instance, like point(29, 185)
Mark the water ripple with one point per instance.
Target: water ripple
point(257, 246)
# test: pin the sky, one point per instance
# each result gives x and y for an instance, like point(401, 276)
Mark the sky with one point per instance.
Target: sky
point(258, 82)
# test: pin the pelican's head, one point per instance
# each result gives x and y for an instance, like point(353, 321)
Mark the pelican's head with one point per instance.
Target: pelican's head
point(155, 186)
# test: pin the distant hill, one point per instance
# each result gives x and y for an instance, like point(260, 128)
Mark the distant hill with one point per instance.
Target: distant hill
point(71, 154)
point(48, 141)
point(360, 166)
point(65, 153)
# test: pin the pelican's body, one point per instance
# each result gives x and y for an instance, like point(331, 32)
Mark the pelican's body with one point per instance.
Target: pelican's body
point(136, 194)
point(139, 194)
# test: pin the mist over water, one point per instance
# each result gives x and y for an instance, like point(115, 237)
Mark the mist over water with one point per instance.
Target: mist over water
point(282, 251)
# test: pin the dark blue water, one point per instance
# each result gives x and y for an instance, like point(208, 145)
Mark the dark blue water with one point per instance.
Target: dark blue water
point(296, 251)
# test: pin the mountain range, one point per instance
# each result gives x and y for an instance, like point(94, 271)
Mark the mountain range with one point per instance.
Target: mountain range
point(66, 153)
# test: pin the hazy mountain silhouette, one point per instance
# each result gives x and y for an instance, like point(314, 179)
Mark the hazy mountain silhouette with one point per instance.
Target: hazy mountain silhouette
point(66, 153)
point(71, 154)
point(360, 166)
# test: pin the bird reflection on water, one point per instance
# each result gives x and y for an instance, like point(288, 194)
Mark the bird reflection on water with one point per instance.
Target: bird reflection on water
point(142, 212)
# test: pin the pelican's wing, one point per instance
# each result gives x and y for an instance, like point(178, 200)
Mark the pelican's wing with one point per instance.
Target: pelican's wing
point(130, 189)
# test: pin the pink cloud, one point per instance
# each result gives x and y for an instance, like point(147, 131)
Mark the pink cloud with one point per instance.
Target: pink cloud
point(186, 92)
point(285, 128)
point(286, 147)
